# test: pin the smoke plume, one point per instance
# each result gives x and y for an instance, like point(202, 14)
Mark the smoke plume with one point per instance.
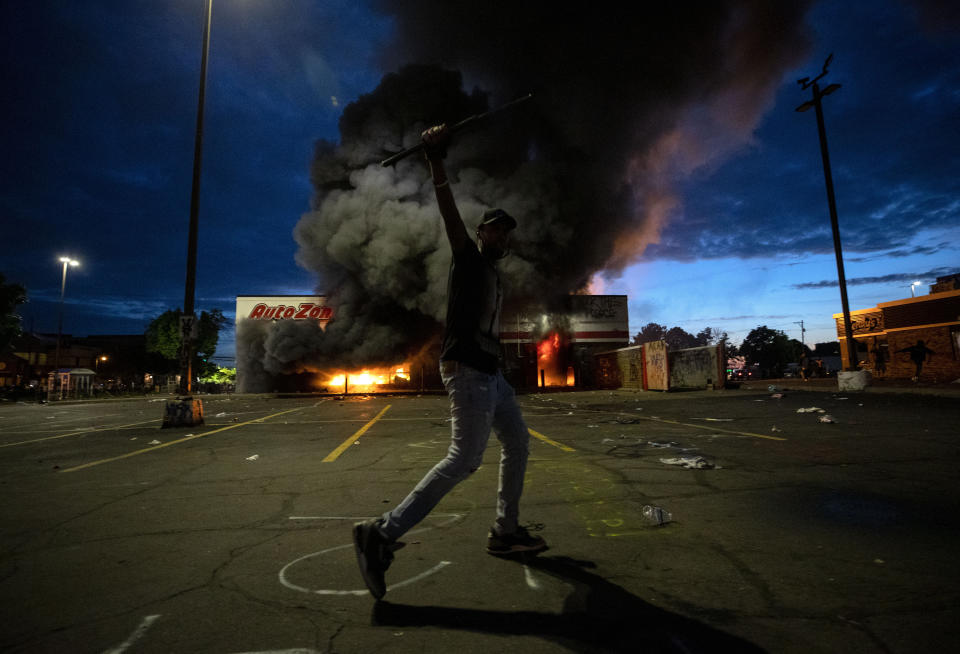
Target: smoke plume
point(629, 98)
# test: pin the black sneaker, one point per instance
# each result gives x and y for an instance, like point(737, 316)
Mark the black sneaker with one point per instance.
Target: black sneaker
point(374, 555)
point(518, 541)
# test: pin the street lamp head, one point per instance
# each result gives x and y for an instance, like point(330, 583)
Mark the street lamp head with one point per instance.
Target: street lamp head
point(806, 106)
point(830, 89)
point(68, 260)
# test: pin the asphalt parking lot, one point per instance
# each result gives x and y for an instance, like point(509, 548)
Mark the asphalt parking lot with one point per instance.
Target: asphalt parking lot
point(798, 535)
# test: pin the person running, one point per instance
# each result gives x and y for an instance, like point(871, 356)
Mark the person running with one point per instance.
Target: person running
point(480, 397)
point(918, 354)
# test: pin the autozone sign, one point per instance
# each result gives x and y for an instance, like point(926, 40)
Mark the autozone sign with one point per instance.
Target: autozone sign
point(283, 307)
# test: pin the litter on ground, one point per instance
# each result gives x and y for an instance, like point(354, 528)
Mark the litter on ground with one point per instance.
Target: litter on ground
point(656, 444)
point(826, 418)
point(253, 458)
point(812, 409)
point(697, 462)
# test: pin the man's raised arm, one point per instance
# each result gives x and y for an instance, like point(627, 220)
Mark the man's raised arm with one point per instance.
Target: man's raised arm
point(435, 141)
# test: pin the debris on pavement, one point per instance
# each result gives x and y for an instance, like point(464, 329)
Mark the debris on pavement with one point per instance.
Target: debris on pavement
point(778, 396)
point(154, 442)
point(656, 444)
point(826, 418)
point(253, 458)
point(812, 409)
point(656, 515)
point(775, 429)
point(697, 462)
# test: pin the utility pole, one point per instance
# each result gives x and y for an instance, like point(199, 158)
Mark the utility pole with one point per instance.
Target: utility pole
point(188, 411)
point(815, 103)
point(802, 331)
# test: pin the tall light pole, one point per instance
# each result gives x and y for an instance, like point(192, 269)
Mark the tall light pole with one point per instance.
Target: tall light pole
point(913, 286)
point(188, 412)
point(189, 318)
point(66, 261)
point(815, 103)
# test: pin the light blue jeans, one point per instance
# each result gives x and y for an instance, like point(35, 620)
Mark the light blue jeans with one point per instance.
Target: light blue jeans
point(478, 403)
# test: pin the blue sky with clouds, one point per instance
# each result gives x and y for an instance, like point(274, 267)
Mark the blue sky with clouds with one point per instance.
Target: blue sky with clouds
point(98, 143)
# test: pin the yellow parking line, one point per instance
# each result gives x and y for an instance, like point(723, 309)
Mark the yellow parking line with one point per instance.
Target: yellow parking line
point(726, 431)
point(78, 433)
point(179, 440)
point(536, 434)
point(350, 441)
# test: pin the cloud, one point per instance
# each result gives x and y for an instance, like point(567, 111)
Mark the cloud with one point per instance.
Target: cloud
point(633, 101)
point(882, 279)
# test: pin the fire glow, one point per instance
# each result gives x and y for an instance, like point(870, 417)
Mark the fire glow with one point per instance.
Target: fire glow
point(550, 365)
point(368, 380)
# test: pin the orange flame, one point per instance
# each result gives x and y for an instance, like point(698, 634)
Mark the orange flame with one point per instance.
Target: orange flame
point(549, 364)
point(367, 380)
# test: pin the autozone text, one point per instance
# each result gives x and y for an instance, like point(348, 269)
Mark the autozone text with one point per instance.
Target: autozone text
point(306, 310)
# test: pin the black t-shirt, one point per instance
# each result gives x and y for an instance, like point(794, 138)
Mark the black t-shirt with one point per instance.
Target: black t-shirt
point(474, 295)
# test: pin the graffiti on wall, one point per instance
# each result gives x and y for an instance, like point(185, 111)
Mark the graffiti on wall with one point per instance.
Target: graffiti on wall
point(655, 362)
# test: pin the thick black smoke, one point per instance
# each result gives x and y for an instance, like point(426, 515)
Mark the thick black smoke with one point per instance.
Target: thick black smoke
point(628, 99)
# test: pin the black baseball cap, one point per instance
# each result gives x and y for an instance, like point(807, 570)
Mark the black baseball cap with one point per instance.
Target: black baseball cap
point(491, 216)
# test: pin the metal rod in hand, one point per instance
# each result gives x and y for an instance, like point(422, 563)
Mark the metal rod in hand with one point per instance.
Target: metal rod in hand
point(463, 124)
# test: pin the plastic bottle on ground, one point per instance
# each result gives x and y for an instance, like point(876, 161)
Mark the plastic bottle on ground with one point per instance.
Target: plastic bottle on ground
point(656, 515)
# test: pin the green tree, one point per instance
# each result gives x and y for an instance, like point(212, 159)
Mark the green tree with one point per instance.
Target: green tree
point(164, 339)
point(771, 349)
point(711, 336)
point(221, 376)
point(11, 295)
point(650, 333)
point(679, 339)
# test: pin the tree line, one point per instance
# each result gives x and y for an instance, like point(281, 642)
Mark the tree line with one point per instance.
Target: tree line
point(770, 349)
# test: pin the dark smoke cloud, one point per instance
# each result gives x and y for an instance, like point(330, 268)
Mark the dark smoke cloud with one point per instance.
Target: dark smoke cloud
point(628, 99)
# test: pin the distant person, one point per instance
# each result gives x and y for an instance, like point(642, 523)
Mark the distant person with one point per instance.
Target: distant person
point(480, 397)
point(918, 354)
point(879, 360)
point(804, 364)
point(818, 369)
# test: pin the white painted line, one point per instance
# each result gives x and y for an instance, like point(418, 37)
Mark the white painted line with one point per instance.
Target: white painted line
point(452, 517)
point(532, 580)
point(135, 636)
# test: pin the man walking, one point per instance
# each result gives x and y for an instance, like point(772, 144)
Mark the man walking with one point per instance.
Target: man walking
point(480, 397)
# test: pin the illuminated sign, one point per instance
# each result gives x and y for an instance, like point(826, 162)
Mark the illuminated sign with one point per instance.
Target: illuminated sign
point(284, 307)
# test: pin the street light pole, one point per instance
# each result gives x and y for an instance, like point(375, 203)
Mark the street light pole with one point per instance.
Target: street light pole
point(187, 325)
point(187, 411)
point(66, 261)
point(816, 103)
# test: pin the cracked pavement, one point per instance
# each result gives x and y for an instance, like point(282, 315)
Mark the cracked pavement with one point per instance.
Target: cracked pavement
point(800, 536)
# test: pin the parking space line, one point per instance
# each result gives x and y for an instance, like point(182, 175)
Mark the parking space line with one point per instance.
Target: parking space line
point(79, 432)
point(536, 434)
point(726, 431)
point(350, 441)
point(176, 442)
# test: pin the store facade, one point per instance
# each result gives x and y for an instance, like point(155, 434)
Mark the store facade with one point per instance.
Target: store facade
point(914, 337)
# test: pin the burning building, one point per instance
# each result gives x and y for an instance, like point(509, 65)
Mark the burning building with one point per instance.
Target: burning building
point(589, 168)
point(283, 345)
point(556, 349)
